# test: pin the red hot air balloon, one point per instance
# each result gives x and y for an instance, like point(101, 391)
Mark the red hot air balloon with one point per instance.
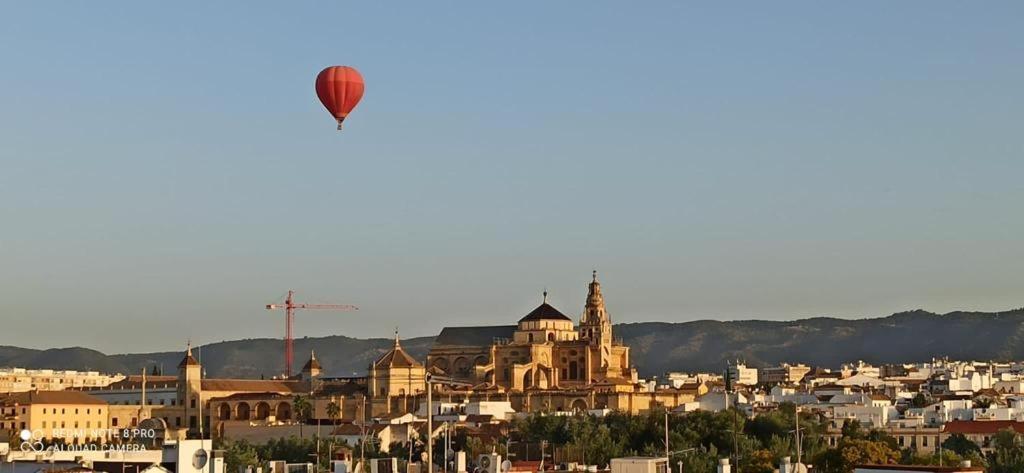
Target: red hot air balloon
point(339, 89)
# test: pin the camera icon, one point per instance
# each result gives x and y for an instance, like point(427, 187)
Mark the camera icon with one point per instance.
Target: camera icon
point(31, 440)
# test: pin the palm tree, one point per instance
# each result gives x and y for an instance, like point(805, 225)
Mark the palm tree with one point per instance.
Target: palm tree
point(302, 410)
point(334, 413)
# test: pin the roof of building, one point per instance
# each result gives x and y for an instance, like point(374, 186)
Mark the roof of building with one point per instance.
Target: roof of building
point(135, 382)
point(189, 360)
point(981, 426)
point(544, 312)
point(396, 357)
point(312, 364)
point(474, 336)
point(346, 388)
point(255, 385)
point(53, 397)
point(253, 396)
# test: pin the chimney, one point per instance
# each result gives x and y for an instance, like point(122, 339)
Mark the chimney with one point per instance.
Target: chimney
point(723, 466)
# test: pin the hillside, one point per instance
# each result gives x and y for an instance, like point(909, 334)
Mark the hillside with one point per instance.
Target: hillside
point(703, 345)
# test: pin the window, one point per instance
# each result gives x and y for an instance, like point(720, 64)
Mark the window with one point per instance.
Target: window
point(113, 422)
point(177, 421)
point(192, 403)
point(530, 336)
point(44, 424)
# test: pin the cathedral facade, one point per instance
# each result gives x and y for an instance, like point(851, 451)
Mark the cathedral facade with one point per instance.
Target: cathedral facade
point(544, 351)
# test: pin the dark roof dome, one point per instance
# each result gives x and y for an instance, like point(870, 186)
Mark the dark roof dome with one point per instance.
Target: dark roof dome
point(189, 360)
point(312, 364)
point(544, 312)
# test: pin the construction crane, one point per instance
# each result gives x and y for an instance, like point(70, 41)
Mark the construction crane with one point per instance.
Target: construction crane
point(289, 307)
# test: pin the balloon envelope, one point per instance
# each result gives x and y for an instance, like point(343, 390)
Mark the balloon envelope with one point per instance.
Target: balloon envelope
point(340, 88)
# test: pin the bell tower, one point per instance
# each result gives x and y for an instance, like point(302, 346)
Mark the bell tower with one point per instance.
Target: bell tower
point(596, 324)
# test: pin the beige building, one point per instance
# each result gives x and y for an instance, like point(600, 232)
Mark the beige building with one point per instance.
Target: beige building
point(783, 374)
point(739, 373)
point(71, 416)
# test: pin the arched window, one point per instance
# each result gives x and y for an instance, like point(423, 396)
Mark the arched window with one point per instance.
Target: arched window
point(551, 336)
point(573, 369)
point(531, 337)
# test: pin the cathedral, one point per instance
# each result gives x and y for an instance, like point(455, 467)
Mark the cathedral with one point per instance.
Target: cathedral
point(546, 362)
point(544, 351)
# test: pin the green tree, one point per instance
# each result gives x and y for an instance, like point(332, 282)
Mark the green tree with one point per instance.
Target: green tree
point(960, 444)
point(852, 452)
point(291, 449)
point(334, 413)
point(303, 410)
point(852, 430)
point(1007, 455)
point(760, 461)
point(239, 454)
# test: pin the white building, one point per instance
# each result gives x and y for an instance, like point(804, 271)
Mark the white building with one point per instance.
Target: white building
point(15, 380)
point(738, 373)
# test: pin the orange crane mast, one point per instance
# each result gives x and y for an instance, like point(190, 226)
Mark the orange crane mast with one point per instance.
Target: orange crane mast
point(289, 307)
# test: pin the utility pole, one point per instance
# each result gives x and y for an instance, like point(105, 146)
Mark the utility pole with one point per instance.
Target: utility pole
point(666, 433)
point(799, 445)
point(430, 425)
point(431, 380)
point(313, 402)
point(362, 443)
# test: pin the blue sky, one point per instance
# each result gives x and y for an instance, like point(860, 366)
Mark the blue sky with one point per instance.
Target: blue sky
point(166, 169)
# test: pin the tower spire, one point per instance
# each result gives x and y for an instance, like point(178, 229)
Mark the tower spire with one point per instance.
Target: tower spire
point(594, 312)
point(545, 295)
point(396, 337)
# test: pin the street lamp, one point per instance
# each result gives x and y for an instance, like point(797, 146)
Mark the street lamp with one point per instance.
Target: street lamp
point(431, 381)
point(669, 456)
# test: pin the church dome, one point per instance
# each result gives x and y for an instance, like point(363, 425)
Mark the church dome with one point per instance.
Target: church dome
point(544, 312)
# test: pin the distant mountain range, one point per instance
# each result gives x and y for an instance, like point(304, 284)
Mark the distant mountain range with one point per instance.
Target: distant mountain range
point(657, 347)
